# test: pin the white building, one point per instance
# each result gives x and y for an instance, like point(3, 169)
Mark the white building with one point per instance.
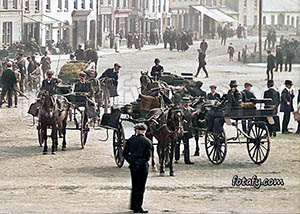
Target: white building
point(74, 21)
point(285, 12)
point(10, 21)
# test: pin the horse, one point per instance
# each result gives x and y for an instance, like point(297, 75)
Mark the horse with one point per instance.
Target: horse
point(165, 126)
point(53, 113)
point(150, 87)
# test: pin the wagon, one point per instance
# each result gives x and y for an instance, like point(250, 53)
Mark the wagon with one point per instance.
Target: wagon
point(256, 135)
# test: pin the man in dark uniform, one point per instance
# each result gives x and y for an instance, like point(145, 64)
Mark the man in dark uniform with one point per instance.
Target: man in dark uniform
point(196, 90)
point(275, 96)
point(157, 69)
point(270, 64)
point(202, 63)
point(203, 46)
point(8, 80)
point(213, 95)
point(287, 96)
point(112, 73)
point(279, 58)
point(188, 113)
point(50, 83)
point(137, 153)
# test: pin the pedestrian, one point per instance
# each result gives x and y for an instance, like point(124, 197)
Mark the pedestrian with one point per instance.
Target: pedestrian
point(279, 58)
point(230, 52)
point(247, 95)
point(224, 35)
point(79, 53)
point(137, 153)
point(298, 111)
point(270, 64)
point(289, 57)
point(184, 42)
point(203, 46)
point(219, 31)
point(287, 96)
point(166, 38)
point(111, 37)
point(22, 69)
point(273, 104)
point(273, 38)
point(16, 87)
point(46, 64)
point(157, 69)
point(202, 63)
point(188, 114)
point(117, 43)
point(8, 81)
point(269, 39)
point(239, 31)
point(213, 95)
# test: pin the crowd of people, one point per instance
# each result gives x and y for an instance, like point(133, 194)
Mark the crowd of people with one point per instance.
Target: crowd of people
point(180, 40)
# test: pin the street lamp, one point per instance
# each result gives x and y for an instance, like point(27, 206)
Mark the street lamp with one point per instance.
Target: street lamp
point(259, 31)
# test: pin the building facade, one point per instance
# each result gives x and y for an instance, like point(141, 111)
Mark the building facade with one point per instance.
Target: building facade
point(10, 21)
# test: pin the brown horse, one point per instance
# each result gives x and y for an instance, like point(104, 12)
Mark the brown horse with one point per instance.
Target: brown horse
point(150, 87)
point(53, 113)
point(165, 126)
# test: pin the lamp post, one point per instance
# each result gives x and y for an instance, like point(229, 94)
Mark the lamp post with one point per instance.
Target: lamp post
point(259, 31)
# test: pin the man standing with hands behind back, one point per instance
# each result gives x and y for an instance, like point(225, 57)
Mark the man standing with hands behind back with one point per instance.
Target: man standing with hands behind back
point(287, 96)
point(137, 153)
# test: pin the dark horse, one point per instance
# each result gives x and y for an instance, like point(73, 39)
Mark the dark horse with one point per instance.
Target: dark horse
point(53, 113)
point(165, 126)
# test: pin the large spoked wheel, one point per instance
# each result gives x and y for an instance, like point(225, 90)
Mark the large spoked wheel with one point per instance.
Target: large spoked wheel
point(40, 136)
point(216, 147)
point(258, 144)
point(84, 130)
point(118, 146)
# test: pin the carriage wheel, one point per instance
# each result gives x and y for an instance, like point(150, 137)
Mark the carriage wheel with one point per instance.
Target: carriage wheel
point(258, 144)
point(40, 136)
point(118, 146)
point(84, 130)
point(216, 147)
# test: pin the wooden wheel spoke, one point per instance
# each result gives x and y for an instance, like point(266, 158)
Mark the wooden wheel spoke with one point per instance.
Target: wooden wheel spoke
point(254, 151)
point(213, 149)
point(214, 154)
point(263, 146)
point(263, 154)
point(252, 148)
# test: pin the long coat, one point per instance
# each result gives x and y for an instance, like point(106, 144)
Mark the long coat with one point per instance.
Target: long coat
point(286, 97)
point(201, 59)
point(271, 61)
point(8, 78)
point(274, 95)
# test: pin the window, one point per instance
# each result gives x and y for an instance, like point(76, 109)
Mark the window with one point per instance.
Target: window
point(245, 3)
point(153, 6)
point(7, 33)
point(209, 2)
point(159, 6)
point(272, 20)
point(118, 3)
point(214, 2)
point(255, 20)
point(66, 4)
point(147, 4)
point(109, 2)
point(124, 3)
point(255, 3)
point(15, 4)
point(59, 6)
point(37, 5)
point(75, 4)
point(5, 4)
point(101, 2)
point(26, 6)
point(82, 4)
point(91, 4)
point(48, 32)
point(48, 5)
point(165, 5)
point(245, 20)
point(288, 20)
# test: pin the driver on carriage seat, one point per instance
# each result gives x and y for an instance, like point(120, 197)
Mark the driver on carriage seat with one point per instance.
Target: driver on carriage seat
point(157, 69)
point(50, 83)
point(83, 86)
point(112, 73)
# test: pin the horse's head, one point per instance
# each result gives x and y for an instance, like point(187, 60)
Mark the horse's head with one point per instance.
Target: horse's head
point(175, 120)
point(145, 80)
point(48, 104)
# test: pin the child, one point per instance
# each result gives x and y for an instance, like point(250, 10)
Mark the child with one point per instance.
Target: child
point(230, 51)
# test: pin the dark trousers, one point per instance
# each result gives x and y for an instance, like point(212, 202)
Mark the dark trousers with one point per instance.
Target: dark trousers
point(223, 40)
point(16, 97)
point(269, 70)
point(21, 83)
point(111, 43)
point(6, 90)
point(204, 69)
point(286, 120)
point(177, 149)
point(288, 61)
point(138, 181)
point(186, 143)
point(277, 65)
point(165, 44)
point(298, 130)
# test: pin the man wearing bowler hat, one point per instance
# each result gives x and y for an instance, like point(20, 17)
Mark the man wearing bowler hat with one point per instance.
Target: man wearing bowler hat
point(112, 73)
point(137, 153)
point(275, 96)
point(287, 96)
point(213, 95)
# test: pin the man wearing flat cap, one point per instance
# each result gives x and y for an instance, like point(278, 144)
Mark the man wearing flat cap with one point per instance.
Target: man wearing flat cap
point(274, 104)
point(8, 80)
point(157, 69)
point(247, 95)
point(213, 95)
point(287, 96)
point(137, 153)
point(112, 73)
point(49, 84)
point(83, 85)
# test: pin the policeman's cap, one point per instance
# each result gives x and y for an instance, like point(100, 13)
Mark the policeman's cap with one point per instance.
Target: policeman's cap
point(117, 64)
point(213, 86)
point(288, 82)
point(50, 72)
point(82, 73)
point(140, 126)
point(247, 84)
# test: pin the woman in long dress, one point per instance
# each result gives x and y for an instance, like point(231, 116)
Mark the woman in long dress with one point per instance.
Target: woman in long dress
point(117, 43)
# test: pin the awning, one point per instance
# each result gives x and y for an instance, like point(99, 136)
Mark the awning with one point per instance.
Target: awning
point(215, 14)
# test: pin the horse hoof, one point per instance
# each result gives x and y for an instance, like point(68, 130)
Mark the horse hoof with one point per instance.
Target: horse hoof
point(64, 149)
point(45, 153)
